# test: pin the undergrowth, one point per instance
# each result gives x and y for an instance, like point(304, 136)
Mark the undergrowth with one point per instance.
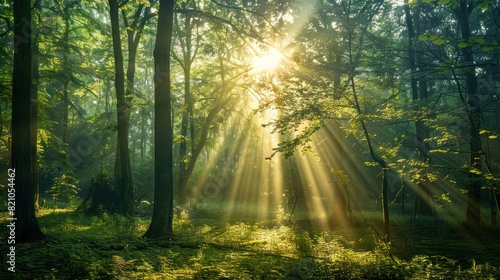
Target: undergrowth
point(206, 247)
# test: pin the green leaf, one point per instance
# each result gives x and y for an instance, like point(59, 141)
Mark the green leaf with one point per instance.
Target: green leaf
point(438, 151)
point(444, 2)
point(487, 49)
point(476, 171)
point(483, 131)
point(423, 37)
point(432, 37)
point(479, 41)
point(463, 45)
point(438, 42)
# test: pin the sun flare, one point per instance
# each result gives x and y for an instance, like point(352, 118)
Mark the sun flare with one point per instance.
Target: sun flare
point(267, 61)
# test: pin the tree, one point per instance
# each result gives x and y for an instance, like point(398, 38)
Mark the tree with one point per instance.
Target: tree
point(473, 213)
point(123, 112)
point(27, 228)
point(185, 39)
point(423, 200)
point(161, 222)
point(134, 27)
point(335, 80)
point(34, 105)
point(214, 94)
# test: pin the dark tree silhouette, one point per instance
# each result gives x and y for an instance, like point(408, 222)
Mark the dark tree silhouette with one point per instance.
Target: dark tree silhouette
point(473, 213)
point(423, 201)
point(123, 108)
point(161, 223)
point(27, 228)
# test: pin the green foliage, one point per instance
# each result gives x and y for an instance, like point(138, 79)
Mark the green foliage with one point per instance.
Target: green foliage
point(436, 40)
point(308, 91)
point(103, 196)
point(64, 188)
point(108, 246)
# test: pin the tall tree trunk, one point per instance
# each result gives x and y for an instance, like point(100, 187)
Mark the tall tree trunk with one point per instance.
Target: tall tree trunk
point(423, 199)
point(187, 116)
point(34, 107)
point(26, 225)
point(473, 213)
point(67, 74)
point(381, 162)
point(161, 223)
point(123, 109)
point(134, 32)
point(143, 132)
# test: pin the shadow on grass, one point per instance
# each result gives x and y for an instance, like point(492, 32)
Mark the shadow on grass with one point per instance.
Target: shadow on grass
point(207, 247)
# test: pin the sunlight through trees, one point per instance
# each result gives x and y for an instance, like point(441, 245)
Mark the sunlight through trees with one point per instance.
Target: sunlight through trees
point(293, 131)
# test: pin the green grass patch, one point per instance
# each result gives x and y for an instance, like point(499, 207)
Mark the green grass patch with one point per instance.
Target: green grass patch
point(205, 246)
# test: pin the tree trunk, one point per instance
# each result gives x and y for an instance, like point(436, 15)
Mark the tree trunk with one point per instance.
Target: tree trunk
point(423, 199)
point(26, 225)
point(67, 75)
point(106, 96)
point(34, 108)
point(381, 162)
point(196, 148)
point(161, 223)
point(187, 116)
point(473, 213)
point(196, 151)
point(143, 132)
point(123, 111)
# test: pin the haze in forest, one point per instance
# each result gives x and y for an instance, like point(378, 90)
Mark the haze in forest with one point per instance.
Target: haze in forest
point(289, 132)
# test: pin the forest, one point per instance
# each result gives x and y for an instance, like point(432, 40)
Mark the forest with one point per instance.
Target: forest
point(249, 139)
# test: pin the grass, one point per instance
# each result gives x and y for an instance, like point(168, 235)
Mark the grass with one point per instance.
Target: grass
point(206, 246)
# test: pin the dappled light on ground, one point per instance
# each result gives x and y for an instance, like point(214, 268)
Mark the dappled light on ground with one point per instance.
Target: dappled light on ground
point(205, 247)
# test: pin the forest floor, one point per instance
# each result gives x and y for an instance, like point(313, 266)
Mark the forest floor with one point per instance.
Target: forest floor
point(205, 246)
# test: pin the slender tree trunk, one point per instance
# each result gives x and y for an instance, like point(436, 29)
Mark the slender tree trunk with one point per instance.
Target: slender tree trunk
point(65, 121)
point(196, 151)
point(161, 223)
point(106, 96)
point(187, 116)
point(123, 109)
point(143, 132)
point(381, 162)
point(26, 225)
point(34, 108)
point(198, 147)
point(67, 74)
point(423, 199)
point(473, 213)
point(338, 215)
point(134, 32)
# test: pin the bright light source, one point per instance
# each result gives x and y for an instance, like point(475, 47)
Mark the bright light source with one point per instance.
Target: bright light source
point(267, 61)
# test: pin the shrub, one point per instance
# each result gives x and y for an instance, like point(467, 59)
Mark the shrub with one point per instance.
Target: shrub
point(102, 195)
point(64, 188)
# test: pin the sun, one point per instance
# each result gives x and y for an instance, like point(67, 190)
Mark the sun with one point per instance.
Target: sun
point(267, 61)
